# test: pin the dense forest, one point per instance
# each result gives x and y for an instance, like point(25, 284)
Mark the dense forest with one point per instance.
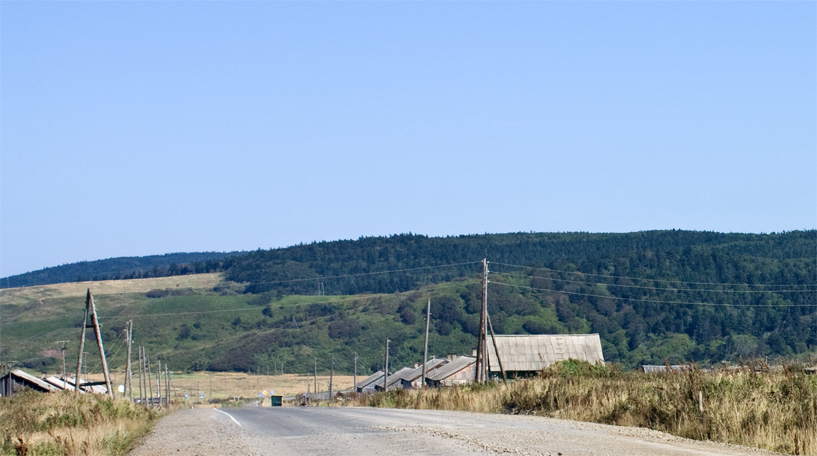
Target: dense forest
point(170, 264)
point(652, 296)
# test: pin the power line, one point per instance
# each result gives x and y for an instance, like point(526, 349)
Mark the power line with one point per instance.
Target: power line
point(587, 282)
point(243, 309)
point(654, 280)
point(653, 301)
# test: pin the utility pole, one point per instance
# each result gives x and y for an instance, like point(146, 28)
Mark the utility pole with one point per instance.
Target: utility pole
point(425, 350)
point(128, 369)
point(90, 310)
point(482, 340)
point(64, 344)
point(316, 376)
point(150, 382)
point(77, 382)
point(496, 350)
point(141, 376)
point(331, 374)
point(386, 370)
point(167, 386)
point(159, 381)
point(354, 379)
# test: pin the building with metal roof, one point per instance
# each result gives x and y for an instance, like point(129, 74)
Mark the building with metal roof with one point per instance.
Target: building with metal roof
point(367, 385)
point(527, 354)
point(17, 380)
point(657, 369)
point(414, 378)
point(458, 371)
point(394, 379)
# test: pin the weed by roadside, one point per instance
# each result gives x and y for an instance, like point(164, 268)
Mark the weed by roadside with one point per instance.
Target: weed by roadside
point(64, 424)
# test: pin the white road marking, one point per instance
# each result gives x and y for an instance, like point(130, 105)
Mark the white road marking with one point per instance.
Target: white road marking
point(231, 417)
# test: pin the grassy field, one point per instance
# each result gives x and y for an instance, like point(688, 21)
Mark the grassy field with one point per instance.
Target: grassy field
point(774, 410)
point(60, 423)
point(24, 295)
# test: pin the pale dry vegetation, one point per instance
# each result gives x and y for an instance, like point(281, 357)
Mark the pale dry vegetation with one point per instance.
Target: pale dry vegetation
point(64, 424)
point(108, 287)
point(771, 410)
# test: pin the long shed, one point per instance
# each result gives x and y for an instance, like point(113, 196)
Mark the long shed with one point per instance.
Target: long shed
point(526, 354)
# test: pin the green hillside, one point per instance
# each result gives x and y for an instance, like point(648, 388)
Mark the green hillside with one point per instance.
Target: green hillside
point(651, 296)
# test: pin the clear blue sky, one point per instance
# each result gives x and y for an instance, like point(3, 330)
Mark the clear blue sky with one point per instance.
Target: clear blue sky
point(148, 127)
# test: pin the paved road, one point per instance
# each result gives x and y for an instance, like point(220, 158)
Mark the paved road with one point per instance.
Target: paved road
point(350, 431)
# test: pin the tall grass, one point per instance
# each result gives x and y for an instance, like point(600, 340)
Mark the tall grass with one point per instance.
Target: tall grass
point(771, 410)
point(62, 424)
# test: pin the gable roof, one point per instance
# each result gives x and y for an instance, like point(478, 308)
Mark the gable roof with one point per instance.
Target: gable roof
point(32, 381)
point(530, 353)
point(370, 379)
point(398, 376)
point(431, 365)
point(454, 366)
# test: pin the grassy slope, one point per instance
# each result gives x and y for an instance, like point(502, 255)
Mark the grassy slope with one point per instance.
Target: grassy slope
point(204, 329)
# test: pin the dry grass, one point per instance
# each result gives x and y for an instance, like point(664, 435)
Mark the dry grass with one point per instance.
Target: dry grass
point(25, 295)
point(774, 410)
point(60, 423)
point(225, 385)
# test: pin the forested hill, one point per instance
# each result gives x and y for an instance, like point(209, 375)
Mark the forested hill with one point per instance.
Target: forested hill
point(350, 267)
point(169, 264)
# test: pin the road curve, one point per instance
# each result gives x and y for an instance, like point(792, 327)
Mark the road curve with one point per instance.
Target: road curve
point(366, 431)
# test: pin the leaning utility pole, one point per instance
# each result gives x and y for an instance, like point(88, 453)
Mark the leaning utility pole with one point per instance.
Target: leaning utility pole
point(425, 350)
point(90, 309)
point(482, 340)
point(141, 375)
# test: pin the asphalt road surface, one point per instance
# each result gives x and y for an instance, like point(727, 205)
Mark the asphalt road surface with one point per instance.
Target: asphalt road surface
point(365, 431)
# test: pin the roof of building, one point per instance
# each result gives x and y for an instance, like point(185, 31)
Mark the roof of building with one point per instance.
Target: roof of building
point(397, 376)
point(370, 379)
point(417, 372)
point(454, 366)
point(59, 383)
point(33, 381)
point(526, 353)
point(649, 368)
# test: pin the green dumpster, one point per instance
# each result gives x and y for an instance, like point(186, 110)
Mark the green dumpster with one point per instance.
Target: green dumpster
point(276, 401)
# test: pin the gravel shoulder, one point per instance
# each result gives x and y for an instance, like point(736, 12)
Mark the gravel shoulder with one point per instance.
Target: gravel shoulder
point(356, 431)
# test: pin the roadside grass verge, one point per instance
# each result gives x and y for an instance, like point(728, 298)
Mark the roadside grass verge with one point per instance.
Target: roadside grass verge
point(62, 424)
point(776, 411)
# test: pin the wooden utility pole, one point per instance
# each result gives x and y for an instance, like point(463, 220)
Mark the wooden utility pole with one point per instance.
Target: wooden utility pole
point(167, 386)
point(354, 379)
point(159, 381)
point(150, 382)
point(316, 376)
point(482, 340)
point(64, 344)
point(425, 349)
point(141, 376)
point(331, 374)
point(496, 350)
point(128, 368)
point(90, 310)
point(77, 382)
point(386, 370)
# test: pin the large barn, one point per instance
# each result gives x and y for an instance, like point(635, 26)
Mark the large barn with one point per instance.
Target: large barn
point(523, 355)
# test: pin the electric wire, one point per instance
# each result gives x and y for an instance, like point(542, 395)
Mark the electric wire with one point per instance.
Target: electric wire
point(645, 279)
point(653, 301)
point(587, 282)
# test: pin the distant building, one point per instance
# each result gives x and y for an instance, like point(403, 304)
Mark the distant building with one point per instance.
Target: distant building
point(529, 354)
point(17, 380)
point(368, 384)
point(656, 369)
point(414, 378)
point(458, 371)
point(394, 379)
